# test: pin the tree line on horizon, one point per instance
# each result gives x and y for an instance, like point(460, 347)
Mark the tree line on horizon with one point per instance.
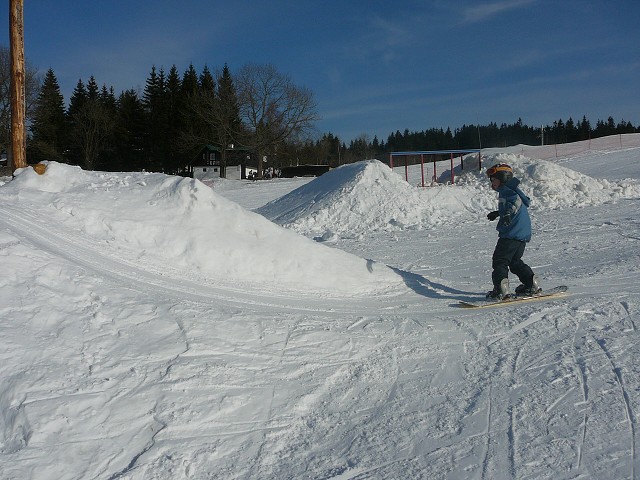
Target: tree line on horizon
point(330, 150)
point(258, 109)
point(258, 112)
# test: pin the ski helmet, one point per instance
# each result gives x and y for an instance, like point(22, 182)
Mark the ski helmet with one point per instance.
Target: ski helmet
point(501, 171)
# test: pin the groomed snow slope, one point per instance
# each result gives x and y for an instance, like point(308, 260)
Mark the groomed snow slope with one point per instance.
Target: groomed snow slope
point(127, 355)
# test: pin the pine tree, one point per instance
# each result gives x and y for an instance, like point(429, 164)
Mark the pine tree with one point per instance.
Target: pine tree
point(229, 128)
point(189, 141)
point(155, 104)
point(48, 125)
point(173, 105)
point(93, 90)
point(79, 98)
point(570, 131)
point(130, 136)
point(206, 83)
point(108, 107)
point(189, 82)
point(91, 120)
point(108, 98)
point(585, 129)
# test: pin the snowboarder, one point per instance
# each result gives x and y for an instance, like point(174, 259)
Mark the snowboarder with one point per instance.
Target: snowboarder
point(514, 231)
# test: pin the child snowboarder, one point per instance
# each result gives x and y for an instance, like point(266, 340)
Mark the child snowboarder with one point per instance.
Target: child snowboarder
point(514, 231)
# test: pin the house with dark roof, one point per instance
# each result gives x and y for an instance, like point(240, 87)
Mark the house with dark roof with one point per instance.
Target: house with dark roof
point(207, 165)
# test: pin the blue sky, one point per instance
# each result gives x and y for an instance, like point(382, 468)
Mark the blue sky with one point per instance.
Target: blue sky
point(374, 67)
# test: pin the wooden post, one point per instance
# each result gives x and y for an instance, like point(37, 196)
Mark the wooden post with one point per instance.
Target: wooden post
point(18, 109)
point(452, 176)
point(435, 175)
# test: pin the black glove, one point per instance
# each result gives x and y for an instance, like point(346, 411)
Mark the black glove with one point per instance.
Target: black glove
point(506, 220)
point(493, 215)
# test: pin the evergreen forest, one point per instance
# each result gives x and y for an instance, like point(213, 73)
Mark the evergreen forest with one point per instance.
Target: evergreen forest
point(164, 127)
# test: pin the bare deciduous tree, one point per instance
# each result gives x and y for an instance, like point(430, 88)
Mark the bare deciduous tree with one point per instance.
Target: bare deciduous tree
point(32, 87)
point(274, 109)
point(93, 126)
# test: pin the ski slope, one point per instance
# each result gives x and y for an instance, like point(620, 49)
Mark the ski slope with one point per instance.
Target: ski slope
point(153, 328)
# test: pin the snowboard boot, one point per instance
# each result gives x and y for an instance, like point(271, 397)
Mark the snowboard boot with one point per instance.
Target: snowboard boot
point(499, 292)
point(530, 289)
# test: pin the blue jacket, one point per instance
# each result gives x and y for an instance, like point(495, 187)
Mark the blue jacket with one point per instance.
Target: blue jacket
point(513, 203)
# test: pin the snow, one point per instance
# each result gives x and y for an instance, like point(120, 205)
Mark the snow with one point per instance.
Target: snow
point(154, 328)
point(153, 218)
point(365, 197)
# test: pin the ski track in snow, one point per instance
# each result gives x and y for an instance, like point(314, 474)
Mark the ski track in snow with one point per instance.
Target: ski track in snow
point(117, 367)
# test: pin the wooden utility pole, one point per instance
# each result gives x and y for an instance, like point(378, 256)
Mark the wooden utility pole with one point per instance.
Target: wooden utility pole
point(18, 108)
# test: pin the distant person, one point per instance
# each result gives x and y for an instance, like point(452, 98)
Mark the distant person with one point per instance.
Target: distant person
point(514, 231)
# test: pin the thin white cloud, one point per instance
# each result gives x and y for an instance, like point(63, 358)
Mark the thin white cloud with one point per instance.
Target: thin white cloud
point(481, 13)
point(381, 39)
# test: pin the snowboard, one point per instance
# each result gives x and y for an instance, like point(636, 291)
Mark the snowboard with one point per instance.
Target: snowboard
point(559, 291)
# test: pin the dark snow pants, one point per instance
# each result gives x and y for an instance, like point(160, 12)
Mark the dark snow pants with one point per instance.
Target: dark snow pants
point(508, 256)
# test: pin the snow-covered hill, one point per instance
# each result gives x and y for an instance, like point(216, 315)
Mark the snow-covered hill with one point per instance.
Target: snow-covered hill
point(357, 199)
point(154, 329)
point(158, 219)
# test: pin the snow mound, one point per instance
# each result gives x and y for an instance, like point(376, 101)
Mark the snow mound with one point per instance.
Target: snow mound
point(552, 186)
point(364, 197)
point(360, 198)
point(162, 218)
point(58, 178)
